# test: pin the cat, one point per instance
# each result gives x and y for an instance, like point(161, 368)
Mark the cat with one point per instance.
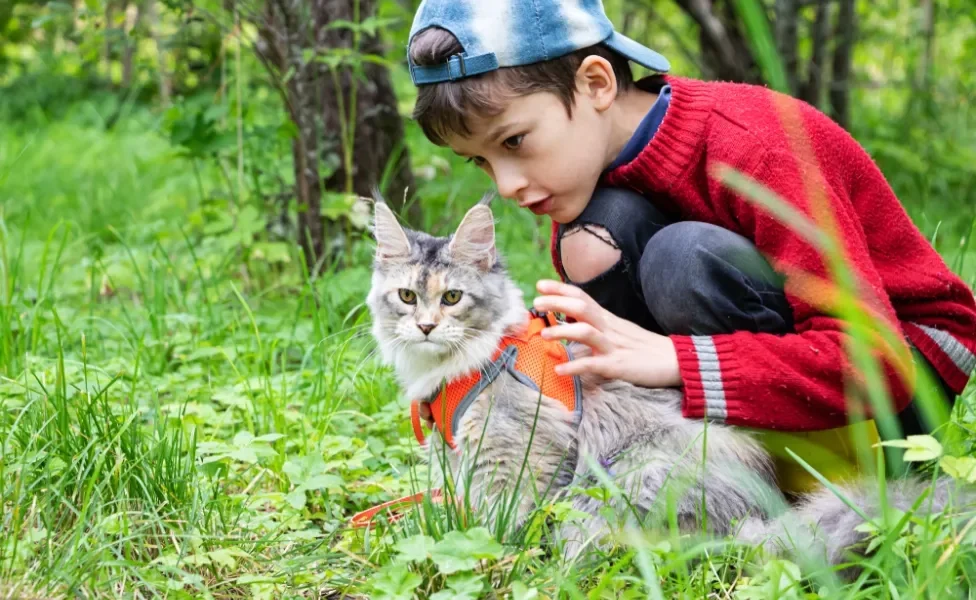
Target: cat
point(714, 477)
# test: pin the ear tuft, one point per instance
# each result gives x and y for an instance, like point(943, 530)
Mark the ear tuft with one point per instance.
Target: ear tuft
point(391, 240)
point(474, 241)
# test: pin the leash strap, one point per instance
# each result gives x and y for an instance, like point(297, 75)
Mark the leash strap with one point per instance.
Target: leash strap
point(396, 508)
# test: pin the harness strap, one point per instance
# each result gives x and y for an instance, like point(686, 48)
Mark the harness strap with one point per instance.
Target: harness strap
point(418, 430)
point(503, 360)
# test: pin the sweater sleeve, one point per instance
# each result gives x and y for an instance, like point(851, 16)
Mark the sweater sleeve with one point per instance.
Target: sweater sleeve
point(797, 381)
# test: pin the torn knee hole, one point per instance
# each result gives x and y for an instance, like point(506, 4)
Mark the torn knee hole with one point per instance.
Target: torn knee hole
point(587, 251)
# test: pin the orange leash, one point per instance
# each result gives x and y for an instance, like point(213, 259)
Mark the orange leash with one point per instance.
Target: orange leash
point(365, 518)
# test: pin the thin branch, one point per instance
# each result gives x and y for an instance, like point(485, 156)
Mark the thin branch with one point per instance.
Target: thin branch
point(787, 16)
point(677, 38)
point(817, 67)
point(841, 69)
point(714, 31)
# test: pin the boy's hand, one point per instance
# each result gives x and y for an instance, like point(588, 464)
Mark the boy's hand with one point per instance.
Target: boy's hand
point(621, 349)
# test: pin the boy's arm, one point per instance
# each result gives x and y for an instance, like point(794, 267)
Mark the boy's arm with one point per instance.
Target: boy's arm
point(798, 381)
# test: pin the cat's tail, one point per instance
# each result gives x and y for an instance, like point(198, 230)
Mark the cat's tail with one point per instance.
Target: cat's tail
point(823, 527)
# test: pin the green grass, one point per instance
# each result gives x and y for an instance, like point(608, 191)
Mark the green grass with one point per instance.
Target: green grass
point(185, 414)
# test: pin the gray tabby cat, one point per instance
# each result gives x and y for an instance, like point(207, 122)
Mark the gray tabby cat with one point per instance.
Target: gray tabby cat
point(637, 436)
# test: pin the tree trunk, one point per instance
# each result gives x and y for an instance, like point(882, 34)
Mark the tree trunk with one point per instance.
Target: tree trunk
point(130, 20)
point(928, 31)
point(107, 46)
point(152, 24)
point(286, 29)
point(346, 124)
point(378, 149)
point(725, 53)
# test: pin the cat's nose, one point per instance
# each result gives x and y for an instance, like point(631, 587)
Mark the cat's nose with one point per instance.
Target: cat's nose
point(426, 327)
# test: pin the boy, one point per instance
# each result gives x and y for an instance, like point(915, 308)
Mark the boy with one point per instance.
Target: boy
point(670, 283)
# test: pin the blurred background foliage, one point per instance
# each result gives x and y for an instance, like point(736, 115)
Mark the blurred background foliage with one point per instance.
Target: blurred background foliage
point(258, 91)
point(183, 264)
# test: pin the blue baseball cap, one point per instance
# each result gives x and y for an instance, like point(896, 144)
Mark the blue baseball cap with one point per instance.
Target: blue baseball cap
point(511, 33)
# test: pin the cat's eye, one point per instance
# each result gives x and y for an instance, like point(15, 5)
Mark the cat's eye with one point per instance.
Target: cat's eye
point(408, 296)
point(451, 297)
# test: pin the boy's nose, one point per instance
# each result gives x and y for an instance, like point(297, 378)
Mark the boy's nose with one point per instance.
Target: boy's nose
point(510, 183)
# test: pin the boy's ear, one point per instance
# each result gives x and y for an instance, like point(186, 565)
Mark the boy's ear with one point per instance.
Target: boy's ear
point(595, 80)
point(391, 240)
point(474, 241)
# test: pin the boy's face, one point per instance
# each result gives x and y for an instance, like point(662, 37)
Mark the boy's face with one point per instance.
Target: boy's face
point(538, 156)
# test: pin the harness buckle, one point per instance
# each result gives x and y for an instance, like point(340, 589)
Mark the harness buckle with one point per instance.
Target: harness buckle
point(548, 317)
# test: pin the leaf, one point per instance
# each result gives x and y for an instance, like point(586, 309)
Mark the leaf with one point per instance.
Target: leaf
point(271, 252)
point(963, 467)
point(296, 499)
point(226, 557)
point(395, 582)
point(414, 548)
point(231, 398)
point(465, 586)
point(521, 592)
point(244, 455)
point(461, 551)
point(243, 438)
point(293, 469)
point(321, 482)
point(918, 447)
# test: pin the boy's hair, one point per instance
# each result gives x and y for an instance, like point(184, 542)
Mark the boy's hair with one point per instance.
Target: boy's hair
point(442, 108)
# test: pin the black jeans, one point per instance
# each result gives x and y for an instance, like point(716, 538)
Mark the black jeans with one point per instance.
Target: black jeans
point(691, 278)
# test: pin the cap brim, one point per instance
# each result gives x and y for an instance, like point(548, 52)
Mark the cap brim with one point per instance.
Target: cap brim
point(638, 53)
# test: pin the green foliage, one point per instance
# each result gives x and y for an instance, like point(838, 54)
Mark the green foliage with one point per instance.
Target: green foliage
point(185, 413)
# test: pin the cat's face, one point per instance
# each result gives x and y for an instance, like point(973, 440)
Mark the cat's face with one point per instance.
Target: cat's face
point(436, 296)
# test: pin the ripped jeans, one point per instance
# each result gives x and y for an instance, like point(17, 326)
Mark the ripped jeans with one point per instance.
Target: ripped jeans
point(680, 278)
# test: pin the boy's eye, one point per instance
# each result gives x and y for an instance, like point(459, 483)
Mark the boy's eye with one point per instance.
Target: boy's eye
point(477, 160)
point(408, 296)
point(451, 297)
point(513, 142)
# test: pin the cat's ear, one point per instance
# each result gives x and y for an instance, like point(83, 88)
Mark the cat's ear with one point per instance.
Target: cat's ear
point(474, 241)
point(391, 240)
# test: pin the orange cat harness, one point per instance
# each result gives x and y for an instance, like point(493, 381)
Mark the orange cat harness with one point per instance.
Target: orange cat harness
point(527, 357)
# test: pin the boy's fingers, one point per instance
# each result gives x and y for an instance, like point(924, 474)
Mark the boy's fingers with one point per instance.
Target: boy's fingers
point(584, 333)
point(572, 307)
point(558, 288)
point(581, 366)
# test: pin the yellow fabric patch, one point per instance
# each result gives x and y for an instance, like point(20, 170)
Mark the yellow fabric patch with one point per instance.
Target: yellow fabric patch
point(832, 453)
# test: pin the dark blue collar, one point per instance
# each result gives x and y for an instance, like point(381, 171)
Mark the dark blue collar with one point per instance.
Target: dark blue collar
point(645, 130)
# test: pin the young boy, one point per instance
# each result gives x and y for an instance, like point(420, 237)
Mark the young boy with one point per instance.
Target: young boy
point(670, 283)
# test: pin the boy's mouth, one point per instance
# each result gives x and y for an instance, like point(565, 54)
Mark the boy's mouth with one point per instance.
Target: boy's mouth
point(540, 207)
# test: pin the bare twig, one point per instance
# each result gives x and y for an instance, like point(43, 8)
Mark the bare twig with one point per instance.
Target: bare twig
point(817, 66)
point(787, 16)
point(841, 69)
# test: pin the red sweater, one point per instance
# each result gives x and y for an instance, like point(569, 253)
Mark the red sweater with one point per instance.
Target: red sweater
point(795, 382)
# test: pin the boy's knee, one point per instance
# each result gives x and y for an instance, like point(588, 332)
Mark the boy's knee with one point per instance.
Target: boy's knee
point(678, 253)
point(587, 252)
point(699, 277)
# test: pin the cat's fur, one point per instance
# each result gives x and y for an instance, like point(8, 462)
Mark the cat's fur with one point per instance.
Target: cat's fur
point(635, 436)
